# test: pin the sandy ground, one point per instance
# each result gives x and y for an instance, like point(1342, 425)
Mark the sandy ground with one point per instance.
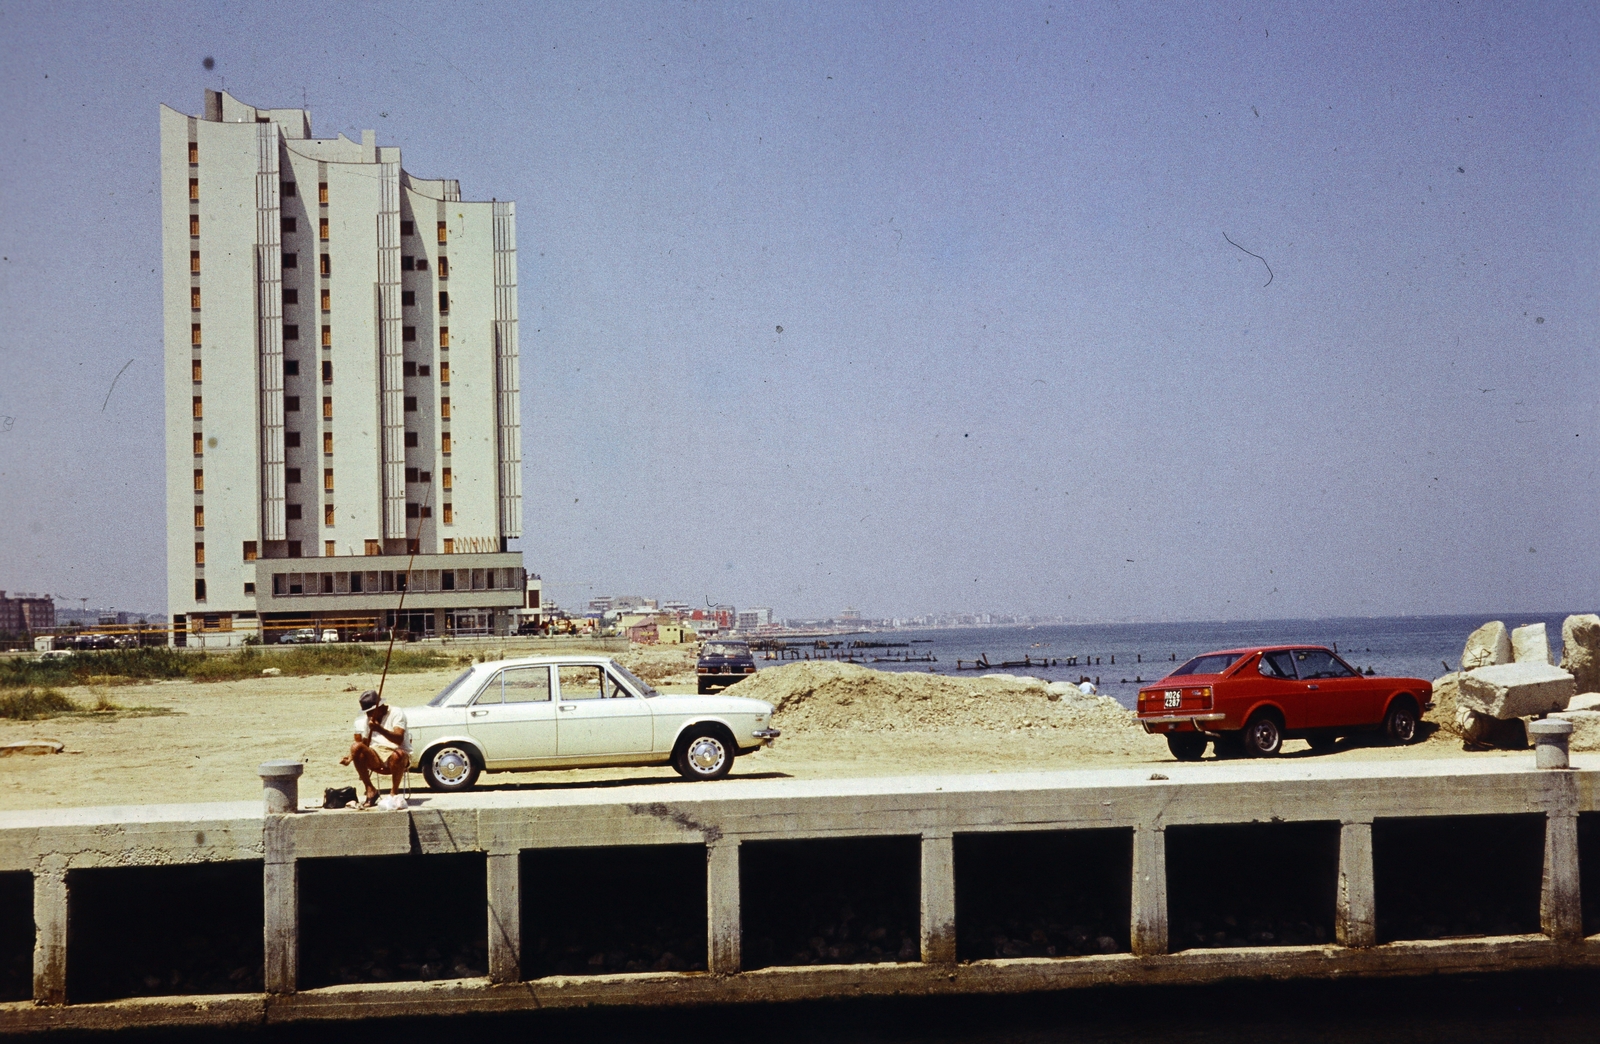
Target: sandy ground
point(186, 741)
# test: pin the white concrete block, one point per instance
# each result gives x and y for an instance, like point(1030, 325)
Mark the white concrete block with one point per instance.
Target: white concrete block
point(1487, 646)
point(1530, 644)
point(1515, 690)
point(1585, 728)
point(1580, 650)
point(1584, 701)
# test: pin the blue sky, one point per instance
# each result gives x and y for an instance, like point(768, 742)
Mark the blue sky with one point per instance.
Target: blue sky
point(1020, 366)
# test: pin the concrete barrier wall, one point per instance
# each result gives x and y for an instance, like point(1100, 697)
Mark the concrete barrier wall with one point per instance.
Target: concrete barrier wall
point(1129, 808)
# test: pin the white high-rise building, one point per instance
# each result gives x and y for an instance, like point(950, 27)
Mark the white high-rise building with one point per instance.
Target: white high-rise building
point(342, 385)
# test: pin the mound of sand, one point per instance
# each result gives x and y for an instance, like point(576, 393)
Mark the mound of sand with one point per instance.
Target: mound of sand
point(822, 695)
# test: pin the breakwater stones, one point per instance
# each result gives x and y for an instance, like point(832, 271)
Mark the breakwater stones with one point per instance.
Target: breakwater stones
point(1508, 676)
point(1516, 690)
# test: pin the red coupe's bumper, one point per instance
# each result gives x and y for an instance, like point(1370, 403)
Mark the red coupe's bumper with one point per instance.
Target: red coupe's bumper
point(1177, 722)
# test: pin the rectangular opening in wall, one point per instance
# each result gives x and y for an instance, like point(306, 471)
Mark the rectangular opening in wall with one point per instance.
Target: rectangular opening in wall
point(854, 900)
point(1448, 876)
point(291, 439)
point(194, 261)
point(193, 929)
point(194, 153)
point(16, 935)
point(1251, 884)
point(407, 228)
point(289, 189)
point(606, 923)
point(194, 226)
point(444, 937)
point(291, 295)
point(1056, 893)
point(1589, 869)
point(322, 192)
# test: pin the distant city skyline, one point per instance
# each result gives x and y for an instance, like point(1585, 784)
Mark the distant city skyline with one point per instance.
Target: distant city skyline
point(1143, 312)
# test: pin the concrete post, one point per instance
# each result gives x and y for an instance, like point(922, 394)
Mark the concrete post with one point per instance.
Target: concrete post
point(1149, 890)
point(1560, 899)
point(280, 786)
point(280, 881)
point(723, 923)
point(1355, 913)
point(505, 916)
point(50, 937)
point(1550, 739)
point(938, 899)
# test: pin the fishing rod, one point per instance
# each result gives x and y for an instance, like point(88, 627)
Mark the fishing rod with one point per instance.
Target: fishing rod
point(394, 625)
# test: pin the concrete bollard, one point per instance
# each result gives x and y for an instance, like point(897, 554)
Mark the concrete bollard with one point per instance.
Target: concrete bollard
point(280, 783)
point(1550, 738)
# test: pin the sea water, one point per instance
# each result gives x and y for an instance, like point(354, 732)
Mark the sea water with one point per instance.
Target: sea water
point(1120, 657)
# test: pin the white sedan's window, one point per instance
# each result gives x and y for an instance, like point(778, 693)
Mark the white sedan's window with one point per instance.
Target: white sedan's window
point(582, 683)
point(525, 685)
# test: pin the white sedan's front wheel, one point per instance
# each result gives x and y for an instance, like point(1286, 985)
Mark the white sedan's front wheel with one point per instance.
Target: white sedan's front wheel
point(450, 767)
point(703, 754)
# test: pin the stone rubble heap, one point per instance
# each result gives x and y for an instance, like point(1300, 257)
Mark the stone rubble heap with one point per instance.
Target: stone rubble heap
point(1508, 677)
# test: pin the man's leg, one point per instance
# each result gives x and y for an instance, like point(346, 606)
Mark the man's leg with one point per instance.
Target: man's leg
point(366, 762)
point(399, 765)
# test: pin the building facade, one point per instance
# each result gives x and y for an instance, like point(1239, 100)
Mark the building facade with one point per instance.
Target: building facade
point(342, 385)
point(26, 613)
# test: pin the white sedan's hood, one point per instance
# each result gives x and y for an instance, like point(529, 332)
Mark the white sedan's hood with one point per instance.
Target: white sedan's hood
point(714, 704)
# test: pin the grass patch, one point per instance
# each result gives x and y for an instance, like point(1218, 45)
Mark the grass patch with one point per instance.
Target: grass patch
point(126, 666)
point(303, 660)
point(33, 704)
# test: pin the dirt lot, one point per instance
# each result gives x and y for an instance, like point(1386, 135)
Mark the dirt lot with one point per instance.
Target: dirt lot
point(197, 741)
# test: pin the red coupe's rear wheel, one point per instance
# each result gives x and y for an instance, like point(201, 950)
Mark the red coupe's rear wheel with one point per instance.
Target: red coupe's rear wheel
point(1263, 736)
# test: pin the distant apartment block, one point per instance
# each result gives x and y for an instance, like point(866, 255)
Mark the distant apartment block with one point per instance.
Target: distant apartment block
point(22, 613)
point(342, 384)
point(754, 618)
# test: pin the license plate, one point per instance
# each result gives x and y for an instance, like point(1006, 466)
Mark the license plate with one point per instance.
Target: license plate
point(1174, 699)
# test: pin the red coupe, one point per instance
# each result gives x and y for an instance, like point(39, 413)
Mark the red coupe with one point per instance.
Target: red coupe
point(1256, 698)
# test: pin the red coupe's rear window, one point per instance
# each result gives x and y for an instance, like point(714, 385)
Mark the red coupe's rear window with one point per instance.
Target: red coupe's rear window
point(1212, 663)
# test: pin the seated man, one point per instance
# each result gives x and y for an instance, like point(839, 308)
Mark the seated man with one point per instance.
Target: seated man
point(381, 744)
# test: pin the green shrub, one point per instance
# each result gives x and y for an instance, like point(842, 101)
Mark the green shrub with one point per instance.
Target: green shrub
point(155, 664)
point(30, 704)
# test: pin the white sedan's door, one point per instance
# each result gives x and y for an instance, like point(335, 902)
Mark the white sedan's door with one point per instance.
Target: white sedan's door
point(595, 715)
point(513, 717)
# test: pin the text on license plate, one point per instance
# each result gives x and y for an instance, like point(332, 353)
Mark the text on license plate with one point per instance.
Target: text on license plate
point(1174, 698)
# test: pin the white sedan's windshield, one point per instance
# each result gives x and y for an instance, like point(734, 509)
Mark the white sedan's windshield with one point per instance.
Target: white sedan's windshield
point(449, 690)
point(642, 687)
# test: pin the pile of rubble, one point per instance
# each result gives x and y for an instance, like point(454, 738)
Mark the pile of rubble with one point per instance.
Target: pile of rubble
point(1508, 677)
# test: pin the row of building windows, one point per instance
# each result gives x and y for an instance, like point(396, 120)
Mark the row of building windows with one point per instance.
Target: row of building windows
point(295, 512)
point(411, 263)
point(330, 549)
point(375, 581)
point(290, 225)
point(291, 368)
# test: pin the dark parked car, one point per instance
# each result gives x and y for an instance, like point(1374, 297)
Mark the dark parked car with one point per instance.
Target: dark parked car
point(723, 663)
point(1256, 698)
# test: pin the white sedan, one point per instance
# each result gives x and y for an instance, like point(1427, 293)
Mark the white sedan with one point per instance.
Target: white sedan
point(561, 712)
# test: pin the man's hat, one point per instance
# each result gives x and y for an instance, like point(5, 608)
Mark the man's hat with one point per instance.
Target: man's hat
point(370, 699)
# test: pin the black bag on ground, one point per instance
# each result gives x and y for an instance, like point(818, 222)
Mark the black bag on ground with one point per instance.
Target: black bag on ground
point(338, 797)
